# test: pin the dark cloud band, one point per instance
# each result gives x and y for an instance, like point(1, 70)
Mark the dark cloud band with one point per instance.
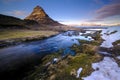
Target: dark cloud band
point(108, 11)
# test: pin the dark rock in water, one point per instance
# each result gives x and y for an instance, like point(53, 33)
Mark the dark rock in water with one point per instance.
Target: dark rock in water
point(41, 17)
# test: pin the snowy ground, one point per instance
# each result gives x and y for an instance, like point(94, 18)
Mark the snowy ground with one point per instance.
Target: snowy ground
point(109, 39)
point(118, 57)
point(78, 72)
point(107, 69)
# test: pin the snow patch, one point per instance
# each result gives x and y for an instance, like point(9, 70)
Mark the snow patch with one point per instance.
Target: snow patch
point(118, 57)
point(109, 39)
point(78, 72)
point(105, 53)
point(107, 69)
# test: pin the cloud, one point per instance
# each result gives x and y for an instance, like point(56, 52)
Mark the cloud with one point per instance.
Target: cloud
point(94, 20)
point(108, 11)
point(18, 13)
point(115, 1)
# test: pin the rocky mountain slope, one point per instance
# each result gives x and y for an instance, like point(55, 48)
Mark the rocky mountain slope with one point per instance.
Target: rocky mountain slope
point(39, 15)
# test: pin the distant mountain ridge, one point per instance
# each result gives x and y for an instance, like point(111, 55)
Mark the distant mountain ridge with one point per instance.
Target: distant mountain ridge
point(13, 22)
point(10, 21)
point(39, 15)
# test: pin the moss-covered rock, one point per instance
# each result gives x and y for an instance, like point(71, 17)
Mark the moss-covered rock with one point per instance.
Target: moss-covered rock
point(116, 42)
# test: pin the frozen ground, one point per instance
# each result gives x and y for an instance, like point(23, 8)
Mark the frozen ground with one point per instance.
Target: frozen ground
point(109, 39)
point(107, 69)
point(78, 72)
point(118, 57)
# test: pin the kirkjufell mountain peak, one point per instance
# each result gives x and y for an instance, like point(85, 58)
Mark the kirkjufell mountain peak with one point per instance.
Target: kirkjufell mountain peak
point(38, 14)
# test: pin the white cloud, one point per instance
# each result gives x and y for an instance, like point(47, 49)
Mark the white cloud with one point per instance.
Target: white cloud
point(18, 13)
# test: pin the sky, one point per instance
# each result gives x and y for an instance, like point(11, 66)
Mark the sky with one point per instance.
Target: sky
point(71, 12)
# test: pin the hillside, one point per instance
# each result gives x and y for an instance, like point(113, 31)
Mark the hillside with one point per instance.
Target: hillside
point(13, 22)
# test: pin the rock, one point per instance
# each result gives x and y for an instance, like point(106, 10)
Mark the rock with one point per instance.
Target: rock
point(55, 60)
point(52, 77)
point(41, 17)
point(73, 72)
point(47, 64)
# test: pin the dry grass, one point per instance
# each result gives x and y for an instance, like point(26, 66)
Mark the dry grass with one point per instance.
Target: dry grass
point(13, 34)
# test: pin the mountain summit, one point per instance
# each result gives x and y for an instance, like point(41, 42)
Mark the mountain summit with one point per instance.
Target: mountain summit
point(41, 17)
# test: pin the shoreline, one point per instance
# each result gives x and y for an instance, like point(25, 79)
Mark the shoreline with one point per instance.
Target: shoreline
point(16, 41)
point(20, 39)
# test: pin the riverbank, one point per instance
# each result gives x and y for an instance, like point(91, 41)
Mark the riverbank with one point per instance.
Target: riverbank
point(15, 36)
point(68, 67)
